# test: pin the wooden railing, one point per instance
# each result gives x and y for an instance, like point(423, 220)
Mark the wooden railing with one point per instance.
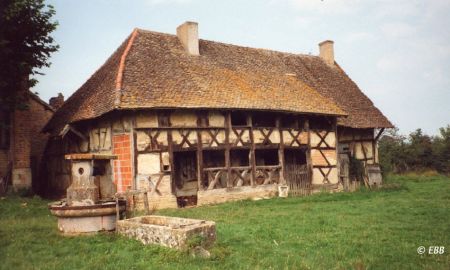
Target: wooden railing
point(241, 176)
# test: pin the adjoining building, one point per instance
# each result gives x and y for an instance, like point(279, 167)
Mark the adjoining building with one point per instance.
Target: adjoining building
point(197, 121)
point(22, 143)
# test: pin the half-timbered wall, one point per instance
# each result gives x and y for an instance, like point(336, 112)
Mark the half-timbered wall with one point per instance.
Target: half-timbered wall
point(324, 154)
point(216, 155)
point(359, 143)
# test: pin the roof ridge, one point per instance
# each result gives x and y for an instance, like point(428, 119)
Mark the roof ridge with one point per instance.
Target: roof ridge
point(119, 78)
point(233, 45)
point(41, 101)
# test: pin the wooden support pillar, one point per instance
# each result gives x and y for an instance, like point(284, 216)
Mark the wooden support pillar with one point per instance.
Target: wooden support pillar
point(336, 146)
point(171, 162)
point(199, 160)
point(308, 151)
point(379, 134)
point(374, 145)
point(281, 152)
point(227, 148)
point(252, 151)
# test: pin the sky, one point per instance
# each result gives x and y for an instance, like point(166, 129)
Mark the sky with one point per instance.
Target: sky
point(398, 52)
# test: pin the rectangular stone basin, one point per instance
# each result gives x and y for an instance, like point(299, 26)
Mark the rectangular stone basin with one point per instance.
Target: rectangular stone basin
point(173, 232)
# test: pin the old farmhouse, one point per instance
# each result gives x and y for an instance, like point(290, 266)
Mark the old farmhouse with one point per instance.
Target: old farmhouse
point(196, 122)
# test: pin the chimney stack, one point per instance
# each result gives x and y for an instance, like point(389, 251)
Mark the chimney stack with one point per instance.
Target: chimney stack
point(57, 102)
point(188, 35)
point(327, 51)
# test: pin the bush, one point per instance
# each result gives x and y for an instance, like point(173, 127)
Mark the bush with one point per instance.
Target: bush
point(417, 152)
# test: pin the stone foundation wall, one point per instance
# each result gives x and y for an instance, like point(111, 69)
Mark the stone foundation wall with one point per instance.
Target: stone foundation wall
point(235, 194)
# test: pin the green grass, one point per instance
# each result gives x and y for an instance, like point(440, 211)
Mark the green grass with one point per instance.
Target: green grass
point(379, 229)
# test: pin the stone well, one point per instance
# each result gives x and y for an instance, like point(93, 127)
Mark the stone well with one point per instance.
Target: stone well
point(83, 211)
point(171, 232)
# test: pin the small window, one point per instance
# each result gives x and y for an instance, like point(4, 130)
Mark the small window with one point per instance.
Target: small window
point(266, 157)
point(163, 120)
point(238, 119)
point(320, 123)
point(213, 158)
point(239, 157)
point(289, 121)
point(263, 119)
point(202, 120)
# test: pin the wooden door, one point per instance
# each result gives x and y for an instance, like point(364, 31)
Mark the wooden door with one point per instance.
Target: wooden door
point(296, 172)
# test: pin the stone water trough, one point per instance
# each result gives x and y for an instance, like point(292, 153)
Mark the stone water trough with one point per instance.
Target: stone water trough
point(84, 210)
point(173, 232)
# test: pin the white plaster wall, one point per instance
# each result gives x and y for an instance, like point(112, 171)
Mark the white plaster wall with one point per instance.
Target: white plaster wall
point(148, 163)
point(142, 140)
point(183, 119)
point(146, 120)
point(317, 178)
point(216, 119)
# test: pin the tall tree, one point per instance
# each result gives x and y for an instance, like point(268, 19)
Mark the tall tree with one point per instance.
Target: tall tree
point(25, 46)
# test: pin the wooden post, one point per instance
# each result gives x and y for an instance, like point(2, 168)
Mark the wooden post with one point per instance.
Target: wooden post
point(171, 162)
point(227, 148)
point(374, 145)
point(117, 208)
point(281, 152)
point(146, 205)
point(336, 147)
point(252, 151)
point(308, 151)
point(199, 160)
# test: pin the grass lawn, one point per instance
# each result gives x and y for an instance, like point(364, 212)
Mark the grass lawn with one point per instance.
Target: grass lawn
point(363, 230)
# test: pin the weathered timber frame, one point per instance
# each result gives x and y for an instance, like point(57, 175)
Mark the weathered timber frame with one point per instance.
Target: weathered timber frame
point(202, 138)
point(358, 137)
point(321, 147)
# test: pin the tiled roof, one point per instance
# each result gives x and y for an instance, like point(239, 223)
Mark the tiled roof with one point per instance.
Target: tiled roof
point(152, 70)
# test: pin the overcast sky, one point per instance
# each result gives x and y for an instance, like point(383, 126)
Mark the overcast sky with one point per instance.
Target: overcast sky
point(398, 52)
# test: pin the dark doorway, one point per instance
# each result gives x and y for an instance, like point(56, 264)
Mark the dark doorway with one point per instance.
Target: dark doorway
point(185, 173)
point(296, 171)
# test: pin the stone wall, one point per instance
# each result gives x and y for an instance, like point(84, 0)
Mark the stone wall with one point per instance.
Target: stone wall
point(237, 193)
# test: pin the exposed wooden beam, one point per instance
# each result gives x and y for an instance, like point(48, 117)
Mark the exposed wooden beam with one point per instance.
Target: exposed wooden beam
point(68, 128)
point(308, 151)
point(199, 160)
point(379, 134)
point(252, 151)
point(227, 148)
point(281, 151)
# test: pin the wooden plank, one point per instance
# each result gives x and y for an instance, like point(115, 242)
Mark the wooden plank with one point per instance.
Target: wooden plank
point(308, 152)
point(252, 152)
point(379, 134)
point(227, 148)
point(281, 152)
point(199, 160)
point(171, 162)
point(117, 209)
point(336, 145)
point(146, 205)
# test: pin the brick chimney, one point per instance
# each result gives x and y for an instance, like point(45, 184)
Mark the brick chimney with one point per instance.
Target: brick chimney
point(327, 51)
point(57, 102)
point(188, 35)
